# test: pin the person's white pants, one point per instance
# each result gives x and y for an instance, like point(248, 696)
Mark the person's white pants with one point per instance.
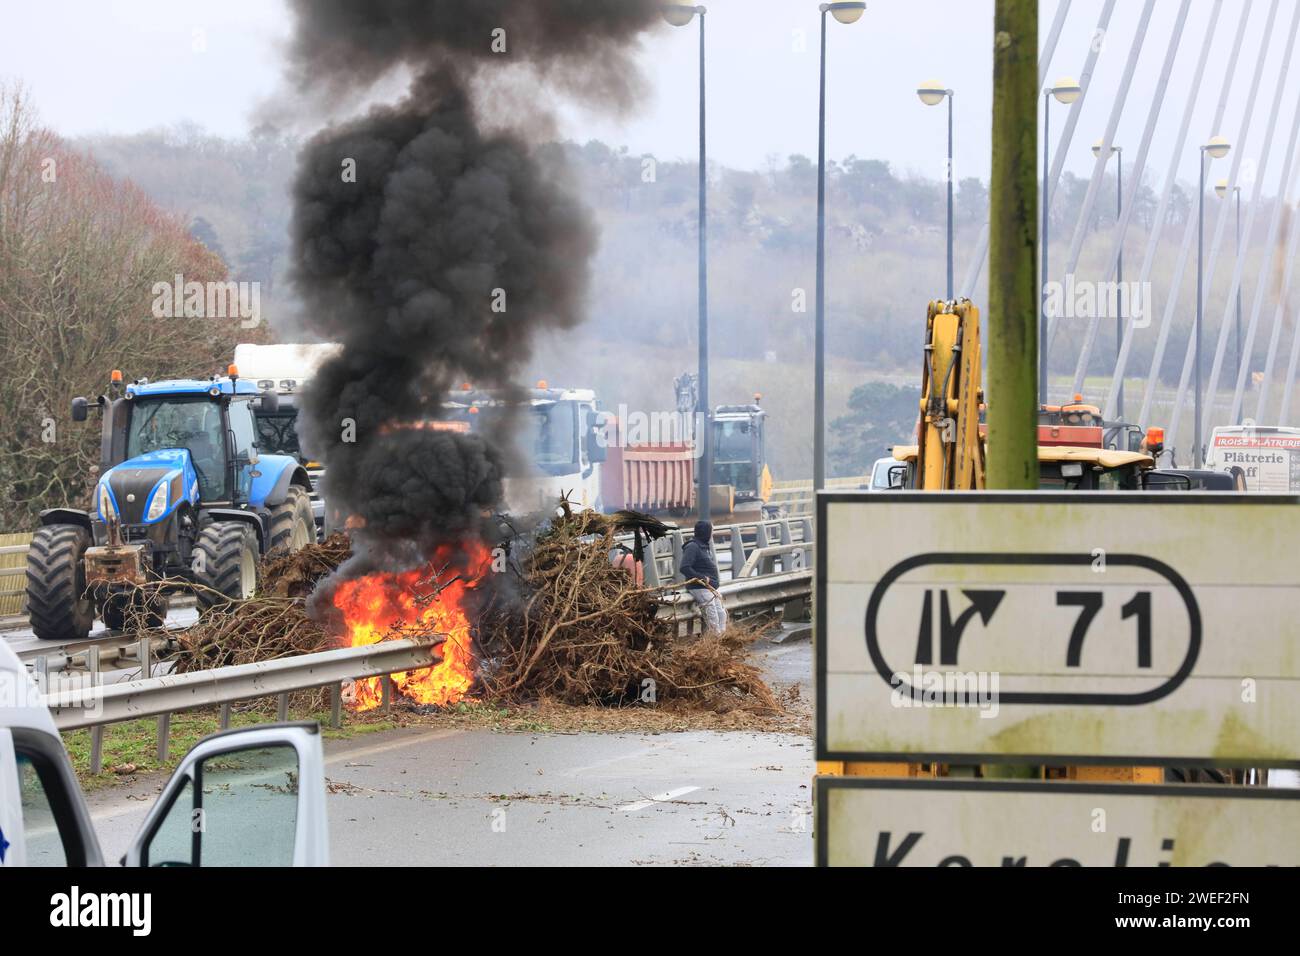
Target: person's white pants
point(711, 609)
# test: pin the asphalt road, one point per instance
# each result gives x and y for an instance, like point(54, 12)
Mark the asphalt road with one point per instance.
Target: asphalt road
point(419, 796)
point(23, 638)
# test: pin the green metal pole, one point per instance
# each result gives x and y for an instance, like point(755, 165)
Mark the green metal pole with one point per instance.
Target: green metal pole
point(1013, 246)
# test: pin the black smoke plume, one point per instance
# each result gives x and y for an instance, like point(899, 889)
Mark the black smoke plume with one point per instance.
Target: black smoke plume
point(403, 264)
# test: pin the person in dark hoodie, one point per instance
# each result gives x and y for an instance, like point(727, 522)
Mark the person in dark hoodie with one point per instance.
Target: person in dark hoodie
point(700, 570)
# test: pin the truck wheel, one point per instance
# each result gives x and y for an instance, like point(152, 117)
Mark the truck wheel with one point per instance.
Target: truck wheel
point(56, 584)
point(132, 611)
point(225, 564)
point(293, 526)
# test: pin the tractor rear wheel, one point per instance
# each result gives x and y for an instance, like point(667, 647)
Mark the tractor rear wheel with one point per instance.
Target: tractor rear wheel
point(225, 564)
point(293, 526)
point(57, 602)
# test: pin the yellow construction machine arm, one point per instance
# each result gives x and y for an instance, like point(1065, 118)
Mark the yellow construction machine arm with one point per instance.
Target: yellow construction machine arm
point(950, 455)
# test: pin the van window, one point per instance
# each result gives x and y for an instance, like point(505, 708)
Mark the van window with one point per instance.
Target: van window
point(244, 812)
point(40, 825)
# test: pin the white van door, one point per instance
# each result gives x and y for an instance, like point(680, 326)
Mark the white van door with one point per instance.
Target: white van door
point(248, 797)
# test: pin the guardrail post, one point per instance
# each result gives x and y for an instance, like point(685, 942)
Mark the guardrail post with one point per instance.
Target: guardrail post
point(282, 708)
point(786, 536)
point(97, 749)
point(676, 538)
point(386, 693)
point(225, 717)
point(336, 705)
point(42, 674)
point(807, 525)
point(737, 549)
point(164, 735)
point(144, 654)
point(96, 733)
point(650, 565)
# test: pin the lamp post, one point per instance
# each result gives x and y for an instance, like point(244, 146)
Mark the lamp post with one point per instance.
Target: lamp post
point(932, 93)
point(1221, 188)
point(1216, 148)
point(1119, 266)
point(679, 15)
point(843, 13)
point(1065, 90)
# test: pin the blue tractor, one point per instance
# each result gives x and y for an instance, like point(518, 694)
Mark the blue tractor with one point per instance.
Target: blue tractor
point(183, 500)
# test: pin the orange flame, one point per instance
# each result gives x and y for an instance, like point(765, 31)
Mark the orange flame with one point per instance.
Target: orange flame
point(428, 600)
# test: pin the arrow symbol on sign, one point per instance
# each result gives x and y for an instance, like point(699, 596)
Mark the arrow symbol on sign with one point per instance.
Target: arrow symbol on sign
point(983, 603)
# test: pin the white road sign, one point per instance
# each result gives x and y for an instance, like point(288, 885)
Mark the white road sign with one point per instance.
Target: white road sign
point(872, 821)
point(1158, 628)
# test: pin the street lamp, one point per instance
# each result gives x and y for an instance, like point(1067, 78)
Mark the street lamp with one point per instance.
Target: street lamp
point(679, 15)
point(1065, 90)
point(932, 93)
point(1118, 151)
point(1216, 148)
point(1221, 188)
point(843, 13)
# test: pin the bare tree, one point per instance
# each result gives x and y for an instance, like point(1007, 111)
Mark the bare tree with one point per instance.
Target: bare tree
point(80, 252)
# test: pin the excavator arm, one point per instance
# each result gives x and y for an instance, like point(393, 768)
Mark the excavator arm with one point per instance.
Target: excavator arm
point(950, 454)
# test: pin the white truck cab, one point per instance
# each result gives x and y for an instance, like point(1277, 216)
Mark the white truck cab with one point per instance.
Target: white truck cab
point(247, 797)
point(558, 439)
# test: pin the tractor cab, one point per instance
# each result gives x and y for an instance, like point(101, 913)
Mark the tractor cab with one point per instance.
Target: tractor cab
point(204, 428)
point(1065, 468)
point(739, 455)
point(183, 498)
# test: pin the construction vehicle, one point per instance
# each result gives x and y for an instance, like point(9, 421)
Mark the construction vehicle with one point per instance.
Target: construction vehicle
point(1069, 468)
point(183, 498)
point(285, 370)
point(950, 456)
point(557, 438)
point(950, 451)
point(739, 455)
point(573, 447)
point(1079, 423)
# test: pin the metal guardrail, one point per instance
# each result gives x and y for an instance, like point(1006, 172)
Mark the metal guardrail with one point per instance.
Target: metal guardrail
point(763, 594)
point(95, 707)
point(732, 544)
point(154, 696)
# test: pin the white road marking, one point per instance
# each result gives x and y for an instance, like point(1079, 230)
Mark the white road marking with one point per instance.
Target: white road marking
point(406, 741)
point(658, 798)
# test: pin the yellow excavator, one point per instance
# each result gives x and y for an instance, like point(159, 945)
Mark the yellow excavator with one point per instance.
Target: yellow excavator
point(950, 450)
point(950, 456)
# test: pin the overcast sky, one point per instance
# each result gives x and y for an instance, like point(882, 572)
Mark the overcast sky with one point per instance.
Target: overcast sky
point(127, 65)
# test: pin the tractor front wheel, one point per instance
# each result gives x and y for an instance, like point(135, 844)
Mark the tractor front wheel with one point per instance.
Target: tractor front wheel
point(57, 603)
point(225, 564)
point(293, 526)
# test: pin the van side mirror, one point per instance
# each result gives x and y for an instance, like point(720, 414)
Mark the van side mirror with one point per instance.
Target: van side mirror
point(79, 407)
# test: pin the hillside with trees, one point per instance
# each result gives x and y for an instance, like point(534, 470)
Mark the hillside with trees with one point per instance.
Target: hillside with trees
point(885, 261)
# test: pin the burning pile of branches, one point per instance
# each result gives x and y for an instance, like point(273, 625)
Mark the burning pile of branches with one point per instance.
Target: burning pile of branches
point(562, 622)
point(273, 623)
point(570, 625)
